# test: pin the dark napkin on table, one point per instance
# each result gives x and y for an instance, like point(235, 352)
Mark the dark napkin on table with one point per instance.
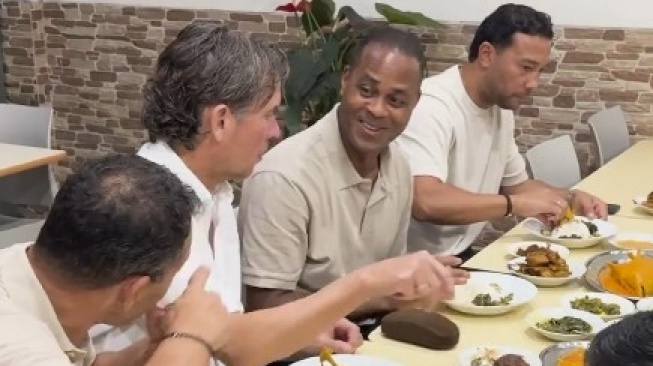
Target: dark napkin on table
point(421, 328)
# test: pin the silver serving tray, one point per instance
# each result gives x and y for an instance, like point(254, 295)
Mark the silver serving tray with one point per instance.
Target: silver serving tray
point(596, 264)
point(552, 354)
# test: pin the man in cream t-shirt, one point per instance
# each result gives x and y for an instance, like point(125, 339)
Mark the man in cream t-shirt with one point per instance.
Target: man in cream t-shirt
point(465, 163)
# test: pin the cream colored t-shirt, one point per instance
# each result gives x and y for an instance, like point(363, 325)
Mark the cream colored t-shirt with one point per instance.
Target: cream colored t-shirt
point(30, 332)
point(449, 137)
point(307, 218)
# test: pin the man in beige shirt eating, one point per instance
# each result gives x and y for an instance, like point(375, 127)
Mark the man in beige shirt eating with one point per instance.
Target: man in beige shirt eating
point(337, 196)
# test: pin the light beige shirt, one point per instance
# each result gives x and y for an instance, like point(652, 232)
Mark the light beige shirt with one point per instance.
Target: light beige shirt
point(449, 137)
point(307, 217)
point(30, 333)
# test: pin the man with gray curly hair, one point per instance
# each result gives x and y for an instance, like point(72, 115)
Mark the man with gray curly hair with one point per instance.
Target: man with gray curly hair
point(211, 110)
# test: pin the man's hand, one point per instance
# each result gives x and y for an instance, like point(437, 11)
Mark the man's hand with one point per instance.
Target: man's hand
point(199, 313)
point(543, 202)
point(343, 337)
point(418, 276)
point(154, 322)
point(460, 276)
point(589, 206)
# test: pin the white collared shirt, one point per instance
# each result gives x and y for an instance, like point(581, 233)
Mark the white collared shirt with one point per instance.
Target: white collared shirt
point(224, 262)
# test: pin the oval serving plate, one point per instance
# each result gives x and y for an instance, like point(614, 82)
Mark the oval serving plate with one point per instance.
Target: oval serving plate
point(595, 265)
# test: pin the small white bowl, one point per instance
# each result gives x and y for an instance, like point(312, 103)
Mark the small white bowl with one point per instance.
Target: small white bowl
point(605, 230)
point(576, 268)
point(515, 247)
point(469, 354)
point(639, 201)
point(479, 282)
point(543, 314)
point(645, 304)
point(625, 306)
point(614, 241)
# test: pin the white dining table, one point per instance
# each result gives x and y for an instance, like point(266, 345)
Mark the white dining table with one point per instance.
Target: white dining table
point(620, 180)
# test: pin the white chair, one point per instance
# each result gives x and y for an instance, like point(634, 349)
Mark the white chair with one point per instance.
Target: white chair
point(555, 162)
point(610, 131)
point(29, 126)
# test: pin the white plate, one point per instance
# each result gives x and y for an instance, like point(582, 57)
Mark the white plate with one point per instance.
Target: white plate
point(479, 283)
point(614, 241)
point(467, 355)
point(543, 314)
point(576, 268)
point(639, 201)
point(515, 247)
point(645, 304)
point(625, 306)
point(605, 229)
point(348, 360)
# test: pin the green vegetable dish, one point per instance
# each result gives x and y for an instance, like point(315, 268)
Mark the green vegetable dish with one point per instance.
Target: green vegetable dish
point(565, 325)
point(595, 306)
point(486, 300)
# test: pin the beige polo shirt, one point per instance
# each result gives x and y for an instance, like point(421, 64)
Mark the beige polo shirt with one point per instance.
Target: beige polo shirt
point(307, 217)
point(30, 333)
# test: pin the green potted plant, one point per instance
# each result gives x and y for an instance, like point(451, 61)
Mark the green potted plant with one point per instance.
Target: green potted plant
point(313, 86)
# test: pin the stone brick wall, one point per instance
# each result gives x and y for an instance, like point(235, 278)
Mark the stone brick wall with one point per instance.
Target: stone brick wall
point(90, 62)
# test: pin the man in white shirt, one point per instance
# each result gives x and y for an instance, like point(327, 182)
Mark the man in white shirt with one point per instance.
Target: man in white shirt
point(210, 111)
point(466, 165)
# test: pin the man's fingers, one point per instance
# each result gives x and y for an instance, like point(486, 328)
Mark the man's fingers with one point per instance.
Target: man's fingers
point(449, 260)
point(198, 281)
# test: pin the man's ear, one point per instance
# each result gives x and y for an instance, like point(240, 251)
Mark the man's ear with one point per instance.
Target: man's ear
point(486, 54)
point(217, 119)
point(131, 290)
point(344, 77)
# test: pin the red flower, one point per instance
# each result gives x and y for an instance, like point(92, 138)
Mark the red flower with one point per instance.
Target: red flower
point(294, 8)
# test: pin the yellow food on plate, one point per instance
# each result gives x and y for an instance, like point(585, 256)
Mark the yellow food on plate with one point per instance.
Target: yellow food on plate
point(326, 356)
point(631, 244)
point(632, 278)
point(573, 358)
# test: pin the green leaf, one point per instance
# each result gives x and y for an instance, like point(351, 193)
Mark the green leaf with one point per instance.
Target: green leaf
point(293, 117)
point(396, 16)
point(330, 51)
point(323, 96)
point(327, 83)
point(304, 71)
point(320, 15)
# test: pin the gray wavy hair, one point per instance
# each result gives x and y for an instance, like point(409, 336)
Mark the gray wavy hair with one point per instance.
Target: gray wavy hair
point(208, 65)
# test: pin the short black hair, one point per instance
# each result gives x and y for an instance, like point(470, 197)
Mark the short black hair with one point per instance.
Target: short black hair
point(626, 343)
point(116, 217)
point(393, 38)
point(499, 27)
point(207, 65)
